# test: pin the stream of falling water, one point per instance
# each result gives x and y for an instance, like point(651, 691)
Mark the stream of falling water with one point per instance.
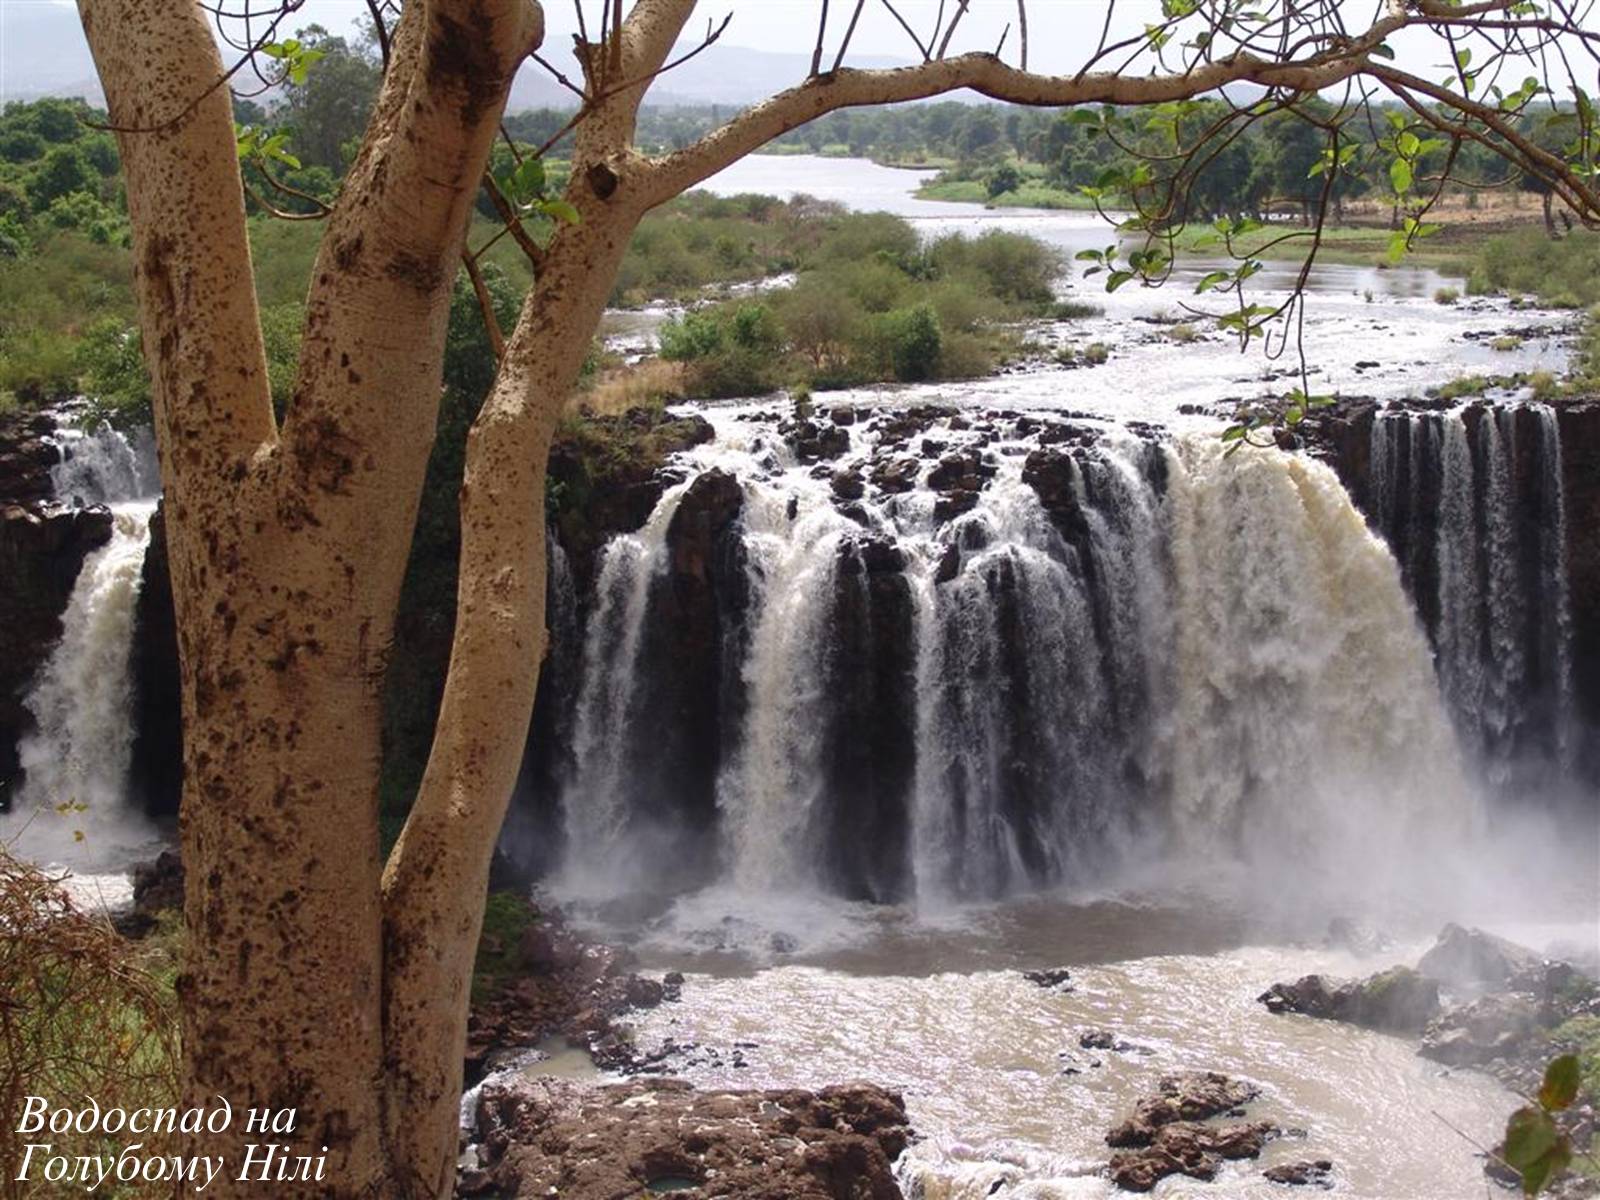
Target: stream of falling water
point(72, 808)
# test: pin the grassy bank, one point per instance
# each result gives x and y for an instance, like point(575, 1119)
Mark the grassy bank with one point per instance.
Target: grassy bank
point(1031, 193)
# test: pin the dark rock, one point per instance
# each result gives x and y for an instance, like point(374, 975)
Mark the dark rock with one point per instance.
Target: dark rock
point(1302, 1174)
point(812, 442)
point(1050, 977)
point(849, 485)
point(842, 415)
point(610, 471)
point(1356, 937)
point(952, 504)
point(28, 455)
point(896, 475)
point(1187, 1148)
point(965, 470)
point(155, 768)
point(643, 993)
point(1472, 958)
point(544, 1137)
point(1097, 1039)
point(1474, 1035)
point(783, 943)
point(41, 551)
point(869, 734)
point(949, 565)
point(1192, 1096)
point(1398, 1000)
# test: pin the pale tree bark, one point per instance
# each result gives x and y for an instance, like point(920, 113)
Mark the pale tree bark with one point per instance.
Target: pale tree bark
point(288, 547)
point(316, 980)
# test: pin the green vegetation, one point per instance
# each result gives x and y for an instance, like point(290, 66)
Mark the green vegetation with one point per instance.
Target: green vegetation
point(506, 917)
point(870, 303)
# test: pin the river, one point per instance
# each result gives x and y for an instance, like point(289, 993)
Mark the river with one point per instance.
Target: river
point(927, 996)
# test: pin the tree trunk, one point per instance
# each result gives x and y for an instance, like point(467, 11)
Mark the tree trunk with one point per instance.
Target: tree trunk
point(1549, 216)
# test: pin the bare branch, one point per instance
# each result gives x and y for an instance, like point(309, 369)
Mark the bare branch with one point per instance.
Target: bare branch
point(822, 32)
point(849, 32)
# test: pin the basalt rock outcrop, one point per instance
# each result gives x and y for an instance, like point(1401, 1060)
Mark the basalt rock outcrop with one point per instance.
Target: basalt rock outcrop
point(1401, 480)
point(545, 1137)
point(41, 551)
point(156, 768)
point(1398, 1000)
point(1172, 1132)
point(1471, 958)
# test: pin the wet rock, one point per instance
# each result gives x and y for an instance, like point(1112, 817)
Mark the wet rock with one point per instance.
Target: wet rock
point(849, 485)
point(28, 454)
point(842, 415)
point(1188, 1148)
point(640, 992)
point(812, 442)
point(1474, 1035)
point(965, 471)
point(952, 504)
point(1318, 1173)
point(1398, 1000)
point(544, 1137)
point(155, 768)
point(783, 943)
point(157, 889)
point(41, 550)
point(949, 565)
point(1472, 958)
point(610, 470)
point(1050, 977)
point(896, 475)
point(1097, 1039)
point(1191, 1096)
point(1357, 937)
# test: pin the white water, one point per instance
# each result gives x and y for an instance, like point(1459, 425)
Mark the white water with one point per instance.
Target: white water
point(1227, 671)
point(1503, 637)
point(72, 811)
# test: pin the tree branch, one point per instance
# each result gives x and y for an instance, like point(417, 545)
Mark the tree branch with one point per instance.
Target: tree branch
point(984, 73)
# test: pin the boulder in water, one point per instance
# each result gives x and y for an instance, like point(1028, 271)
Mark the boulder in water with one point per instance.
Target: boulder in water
point(1191, 1096)
point(1492, 1027)
point(543, 1137)
point(1312, 1173)
point(1472, 958)
point(1398, 1000)
point(1048, 977)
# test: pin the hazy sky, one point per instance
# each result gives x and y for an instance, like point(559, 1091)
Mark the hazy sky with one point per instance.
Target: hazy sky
point(1061, 32)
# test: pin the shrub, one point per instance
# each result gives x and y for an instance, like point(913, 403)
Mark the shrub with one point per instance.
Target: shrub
point(1096, 353)
point(692, 336)
point(1446, 295)
point(86, 1013)
point(911, 340)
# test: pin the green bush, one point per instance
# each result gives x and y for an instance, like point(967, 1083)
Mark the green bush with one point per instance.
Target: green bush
point(911, 340)
point(112, 372)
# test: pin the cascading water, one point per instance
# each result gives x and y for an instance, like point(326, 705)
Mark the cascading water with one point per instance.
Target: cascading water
point(71, 807)
point(1471, 502)
point(1028, 666)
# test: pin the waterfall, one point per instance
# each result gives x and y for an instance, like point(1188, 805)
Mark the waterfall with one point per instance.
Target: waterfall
point(71, 808)
point(1476, 518)
point(1086, 652)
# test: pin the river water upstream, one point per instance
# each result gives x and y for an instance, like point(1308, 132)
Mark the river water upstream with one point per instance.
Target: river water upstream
point(932, 1000)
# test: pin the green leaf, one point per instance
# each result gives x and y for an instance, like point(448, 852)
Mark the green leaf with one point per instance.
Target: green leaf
point(1463, 57)
point(1383, 50)
point(1545, 1169)
point(1088, 256)
point(1400, 176)
point(1233, 433)
point(1530, 1135)
point(1561, 1080)
point(1408, 144)
point(1116, 279)
point(560, 210)
point(1212, 280)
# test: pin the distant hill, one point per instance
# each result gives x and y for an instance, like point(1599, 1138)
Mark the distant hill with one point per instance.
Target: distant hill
point(43, 53)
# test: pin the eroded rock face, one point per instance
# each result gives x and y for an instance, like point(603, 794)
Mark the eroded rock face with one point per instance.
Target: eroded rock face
point(1492, 1027)
point(1398, 1000)
point(1314, 1173)
point(1471, 958)
point(1171, 1133)
point(41, 551)
point(1192, 1096)
point(547, 1137)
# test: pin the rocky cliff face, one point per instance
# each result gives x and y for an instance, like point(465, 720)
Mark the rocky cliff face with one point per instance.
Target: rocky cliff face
point(41, 550)
point(1408, 483)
